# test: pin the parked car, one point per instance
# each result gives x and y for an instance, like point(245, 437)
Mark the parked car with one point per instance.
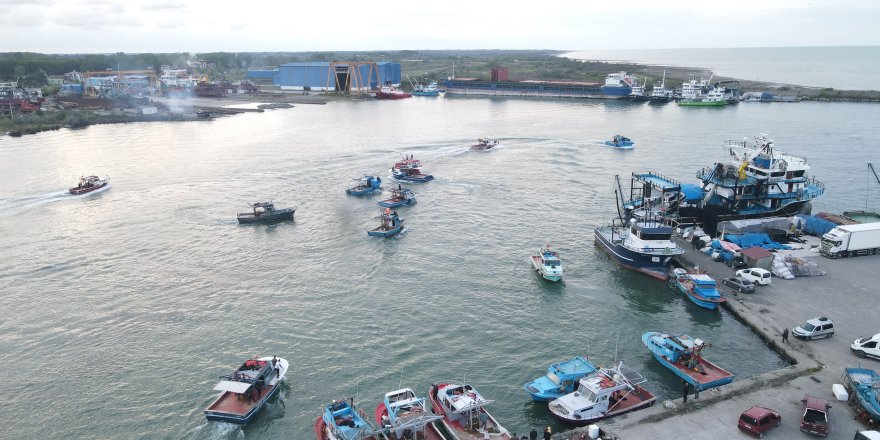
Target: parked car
point(867, 347)
point(815, 328)
point(815, 418)
point(755, 275)
point(739, 284)
point(867, 435)
point(757, 420)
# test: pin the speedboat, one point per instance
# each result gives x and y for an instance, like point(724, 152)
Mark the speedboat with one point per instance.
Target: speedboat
point(464, 414)
point(866, 386)
point(247, 390)
point(265, 212)
point(620, 141)
point(683, 356)
point(341, 420)
point(399, 197)
point(561, 378)
point(645, 245)
point(90, 184)
point(410, 170)
point(548, 264)
point(404, 416)
point(608, 393)
point(700, 288)
point(365, 185)
point(484, 144)
point(391, 225)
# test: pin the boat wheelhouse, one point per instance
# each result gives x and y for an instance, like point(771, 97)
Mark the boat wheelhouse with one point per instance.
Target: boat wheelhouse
point(90, 184)
point(464, 414)
point(561, 378)
point(399, 197)
point(548, 263)
point(247, 390)
point(403, 415)
point(341, 420)
point(365, 185)
point(608, 393)
point(700, 288)
point(683, 356)
point(265, 212)
point(758, 181)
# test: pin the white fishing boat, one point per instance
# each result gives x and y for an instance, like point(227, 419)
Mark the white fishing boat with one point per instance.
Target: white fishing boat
point(548, 264)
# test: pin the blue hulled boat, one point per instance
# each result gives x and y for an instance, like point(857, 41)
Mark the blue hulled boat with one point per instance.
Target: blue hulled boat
point(620, 141)
point(391, 225)
point(683, 356)
point(866, 386)
point(247, 390)
point(700, 288)
point(341, 420)
point(643, 245)
point(399, 197)
point(365, 185)
point(561, 378)
point(410, 170)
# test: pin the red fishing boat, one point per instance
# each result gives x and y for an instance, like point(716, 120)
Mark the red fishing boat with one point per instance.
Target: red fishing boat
point(391, 92)
point(90, 184)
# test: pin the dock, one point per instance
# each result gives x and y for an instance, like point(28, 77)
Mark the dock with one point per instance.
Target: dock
point(847, 294)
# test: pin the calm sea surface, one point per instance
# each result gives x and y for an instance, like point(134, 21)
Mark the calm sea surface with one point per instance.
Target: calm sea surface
point(846, 68)
point(120, 309)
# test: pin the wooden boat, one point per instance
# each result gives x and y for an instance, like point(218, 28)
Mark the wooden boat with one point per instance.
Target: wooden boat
point(90, 184)
point(341, 420)
point(464, 413)
point(399, 197)
point(366, 185)
point(609, 393)
point(391, 225)
point(403, 415)
point(683, 356)
point(247, 390)
point(866, 387)
point(265, 212)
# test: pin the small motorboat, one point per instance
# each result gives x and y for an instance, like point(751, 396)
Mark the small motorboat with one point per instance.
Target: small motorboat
point(391, 225)
point(403, 415)
point(341, 420)
point(561, 378)
point(700, 288)
point(265, 212)
point(399, 197)
point(484, 144)
point(866, 386)
point(365, 185)
point(247, 390)
point(548, 264)
point(608, 393)
point(410, 169)
point(90, 184)
point(620, 141)
point(464, 414)
point(683, 356)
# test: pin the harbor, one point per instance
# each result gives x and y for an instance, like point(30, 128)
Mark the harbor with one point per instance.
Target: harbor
point(455, 298)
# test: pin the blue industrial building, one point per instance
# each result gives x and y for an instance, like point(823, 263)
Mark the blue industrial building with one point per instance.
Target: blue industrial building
point(318, 77)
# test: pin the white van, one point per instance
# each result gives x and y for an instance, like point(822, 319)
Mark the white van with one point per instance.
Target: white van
point(867, 347)
point(815, 328)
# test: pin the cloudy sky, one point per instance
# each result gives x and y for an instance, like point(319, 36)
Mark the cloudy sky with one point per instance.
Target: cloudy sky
point(78, 26)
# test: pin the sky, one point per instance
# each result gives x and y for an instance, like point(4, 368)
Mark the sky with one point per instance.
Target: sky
point(102, 26)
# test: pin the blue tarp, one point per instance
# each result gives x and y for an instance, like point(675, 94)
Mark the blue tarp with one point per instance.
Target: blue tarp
point(751, 239)
point(692, 192)
point(814, 225)
point(725, 254)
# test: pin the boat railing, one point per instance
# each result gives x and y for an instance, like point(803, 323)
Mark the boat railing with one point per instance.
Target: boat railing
point(643, 176)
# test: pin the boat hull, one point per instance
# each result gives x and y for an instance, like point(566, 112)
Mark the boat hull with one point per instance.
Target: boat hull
point(711, 216)
point(704, 303)
point(423, 93)
point(684, 103)
point(385, 95)
point(220, 416)
point(276, 216)
point(648, 264)
point(619, 144)
point(384, 233)
point(361, 192)
point(641, 398)
point(96, 188)
point(414, 177)
point(395, 204)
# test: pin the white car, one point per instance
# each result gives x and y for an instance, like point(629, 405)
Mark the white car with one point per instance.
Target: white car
point(867, 347)
point(755, 275)
point(815, 328)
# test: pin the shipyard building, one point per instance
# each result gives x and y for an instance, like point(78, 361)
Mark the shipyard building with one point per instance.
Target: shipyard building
point(329, 76)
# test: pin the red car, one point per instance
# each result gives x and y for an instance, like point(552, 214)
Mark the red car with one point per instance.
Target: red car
point(815, 418)
point(757, 420)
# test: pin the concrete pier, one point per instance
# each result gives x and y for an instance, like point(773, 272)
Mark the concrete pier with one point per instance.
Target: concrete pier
point(849, 294)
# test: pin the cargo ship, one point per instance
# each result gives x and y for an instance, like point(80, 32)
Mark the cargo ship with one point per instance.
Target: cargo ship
point(617, 85)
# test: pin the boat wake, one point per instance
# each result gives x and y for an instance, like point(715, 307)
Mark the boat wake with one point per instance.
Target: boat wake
point(217, 431)
point(17, 206)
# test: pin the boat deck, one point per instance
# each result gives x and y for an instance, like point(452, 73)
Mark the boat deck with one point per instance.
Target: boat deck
point(638, 398)
point(237, 404)
point(459, 431)
point(431, 431)
point(706, 372)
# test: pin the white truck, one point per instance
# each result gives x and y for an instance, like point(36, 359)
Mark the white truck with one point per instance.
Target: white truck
point(851, 240)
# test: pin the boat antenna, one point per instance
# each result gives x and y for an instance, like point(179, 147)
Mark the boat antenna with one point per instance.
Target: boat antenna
point(616, 340)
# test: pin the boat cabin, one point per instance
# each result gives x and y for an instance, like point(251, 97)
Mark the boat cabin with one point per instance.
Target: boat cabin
point(261, 208)
point(250, 377)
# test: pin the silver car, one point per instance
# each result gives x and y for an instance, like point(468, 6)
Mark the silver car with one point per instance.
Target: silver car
point(815, 328)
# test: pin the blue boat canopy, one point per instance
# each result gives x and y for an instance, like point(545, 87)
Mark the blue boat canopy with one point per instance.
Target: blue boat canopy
point(692, 192)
